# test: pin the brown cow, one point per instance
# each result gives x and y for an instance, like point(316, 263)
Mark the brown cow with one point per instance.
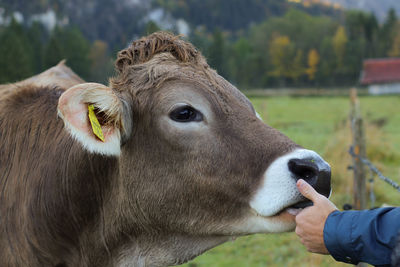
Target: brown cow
point(185, 164)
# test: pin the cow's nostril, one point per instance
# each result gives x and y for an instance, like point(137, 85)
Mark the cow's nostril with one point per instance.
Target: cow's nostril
point(304, 169)
point(310, 167)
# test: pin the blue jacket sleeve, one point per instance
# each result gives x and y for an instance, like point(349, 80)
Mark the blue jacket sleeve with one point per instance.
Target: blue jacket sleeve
point(362, 236)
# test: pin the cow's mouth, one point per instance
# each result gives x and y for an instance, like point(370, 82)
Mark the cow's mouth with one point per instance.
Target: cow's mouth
point(293, 209)
point(302, 204)
point(296, 208)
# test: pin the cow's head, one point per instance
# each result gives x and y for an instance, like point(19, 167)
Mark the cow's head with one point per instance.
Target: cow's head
point(194, 158)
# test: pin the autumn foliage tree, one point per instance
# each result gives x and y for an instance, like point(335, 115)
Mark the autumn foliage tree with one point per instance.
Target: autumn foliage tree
point(339, 45)
point(395, 48)
point(281, 52)
point(312, 62)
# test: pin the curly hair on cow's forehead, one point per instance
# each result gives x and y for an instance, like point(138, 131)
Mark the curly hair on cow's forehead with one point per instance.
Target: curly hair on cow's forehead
point(145, 48)
point(159, 57)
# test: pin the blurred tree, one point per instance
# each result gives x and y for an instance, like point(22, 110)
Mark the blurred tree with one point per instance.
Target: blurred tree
point(363, 28)
point(355, 54)
point(227, 15)
point(201, 39)
point(242, 63)
point(218, 52)
point(339, 45)
point(37, 36)
point(355, 24)
point(115, 22)
point(255, 58)
point(296, 69)
point(302, 29)
point(76, 50)
point(312, 62)
point(326, 72)
point(305, 32)
point(362, 32)
point(388, 33)
point(395, 49)
point(101, 63)
point(259, 40)
point(53, 53)
point(151, 27)
point(16, 55)
point(281, 52)
point(69, 44)
point(371, 34)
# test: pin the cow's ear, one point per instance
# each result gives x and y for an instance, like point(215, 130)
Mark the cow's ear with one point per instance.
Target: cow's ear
point(92, 114)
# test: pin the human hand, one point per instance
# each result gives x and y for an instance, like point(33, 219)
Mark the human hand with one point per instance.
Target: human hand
point(310, 221)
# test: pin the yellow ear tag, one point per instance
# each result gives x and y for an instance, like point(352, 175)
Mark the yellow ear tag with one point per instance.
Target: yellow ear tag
point(95, 123)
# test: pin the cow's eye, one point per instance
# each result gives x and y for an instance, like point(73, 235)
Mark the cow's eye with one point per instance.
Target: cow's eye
point(186, 114)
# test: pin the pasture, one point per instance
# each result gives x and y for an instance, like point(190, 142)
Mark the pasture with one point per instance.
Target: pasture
point(320, 124)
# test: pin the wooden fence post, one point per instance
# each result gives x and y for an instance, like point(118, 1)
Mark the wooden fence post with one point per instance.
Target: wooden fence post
point(360, 193)
point(359, 187)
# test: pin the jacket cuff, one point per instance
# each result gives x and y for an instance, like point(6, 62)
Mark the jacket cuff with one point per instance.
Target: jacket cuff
point(337, 236)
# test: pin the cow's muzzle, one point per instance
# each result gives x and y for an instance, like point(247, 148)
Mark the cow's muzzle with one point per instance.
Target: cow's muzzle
point(278, 191)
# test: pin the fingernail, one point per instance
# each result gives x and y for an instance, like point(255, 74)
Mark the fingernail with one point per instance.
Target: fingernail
point(300, 182)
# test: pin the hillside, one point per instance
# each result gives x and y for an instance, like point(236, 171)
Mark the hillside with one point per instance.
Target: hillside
point(115, 22)
point(119, 21)
point(380, 8)
point(252, 43)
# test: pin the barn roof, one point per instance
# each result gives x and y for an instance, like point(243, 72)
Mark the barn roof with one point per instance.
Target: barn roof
point(385, 70)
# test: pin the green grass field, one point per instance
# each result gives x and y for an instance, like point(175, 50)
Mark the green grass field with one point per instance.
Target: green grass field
point(320, 124)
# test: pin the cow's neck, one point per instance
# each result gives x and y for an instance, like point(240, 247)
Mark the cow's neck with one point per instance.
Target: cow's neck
point(114, 246)
point(165, 250)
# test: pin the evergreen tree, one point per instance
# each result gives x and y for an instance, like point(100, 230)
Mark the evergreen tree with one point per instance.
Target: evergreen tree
point(151, 27)
point(37, 36)
point(362, 29)
point(242, 62)
point(388, 33)
point(53, 52)
point(69, 44)
point(101, 63)
point(228, 15)
point(357, 48)
point(371, 35)
point(76, 50)
point(326, 73)
point(217, 53)
point(15, 54)
point(199, 38)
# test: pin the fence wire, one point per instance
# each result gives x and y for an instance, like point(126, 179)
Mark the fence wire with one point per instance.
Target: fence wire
point(374, 169)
